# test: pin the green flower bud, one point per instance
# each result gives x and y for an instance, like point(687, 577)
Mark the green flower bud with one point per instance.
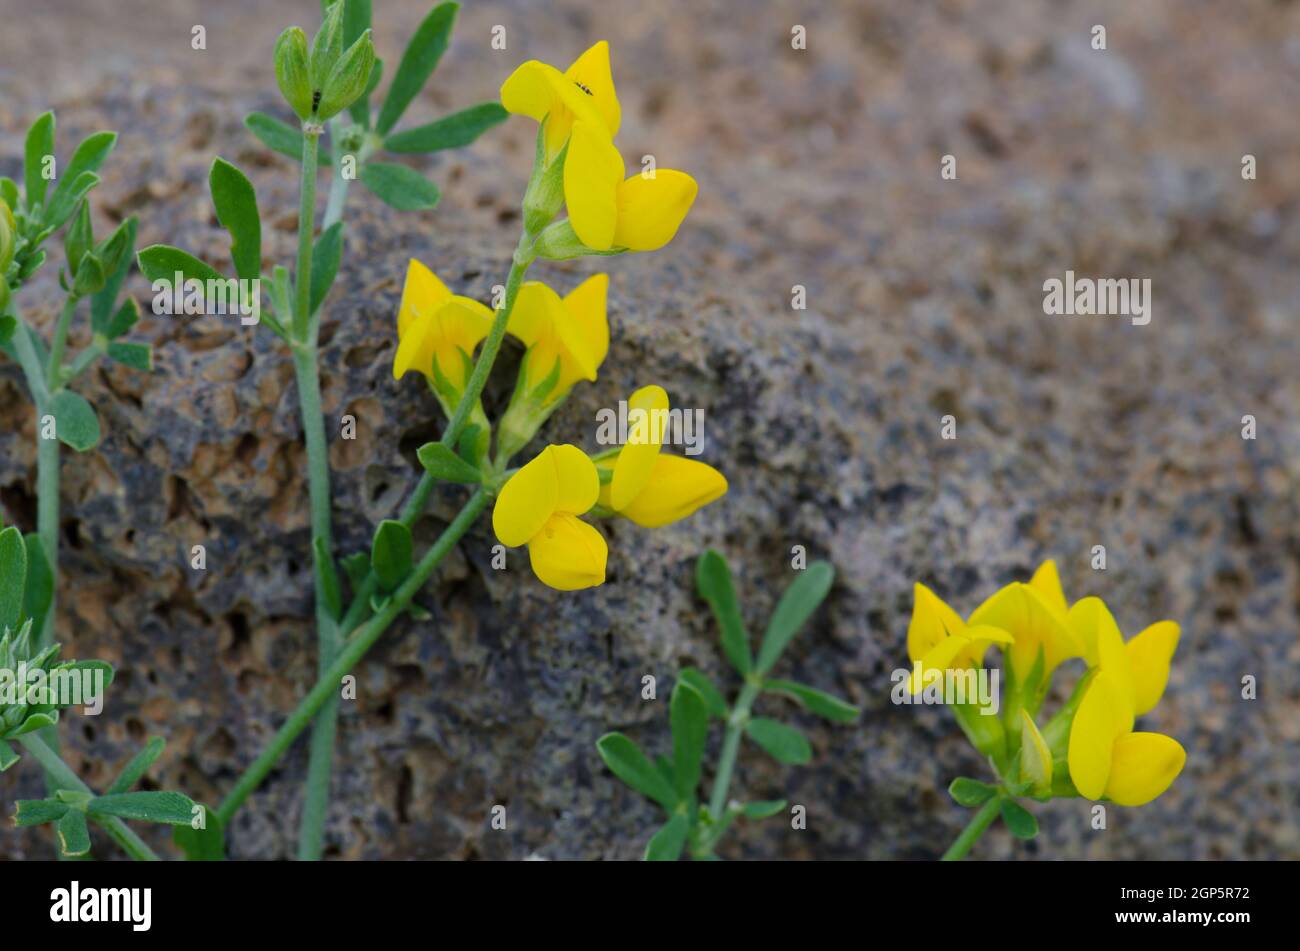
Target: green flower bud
point(349, 79)
point(8, 237)
point(291, 71)
point(90, 277)
point(327, 47)
point(78, 239)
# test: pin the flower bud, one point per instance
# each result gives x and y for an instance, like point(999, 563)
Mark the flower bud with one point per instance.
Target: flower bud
point(90, 277)
point(292, 72)
point(349, 79)
point(327, 47)
point(8, 237)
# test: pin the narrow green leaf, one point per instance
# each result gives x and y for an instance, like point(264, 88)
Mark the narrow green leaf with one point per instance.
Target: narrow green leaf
point(138, 356)
point(13, 577)
point(127, 316)
point(970, 792)
point(329, 580)
point(207, 844)
point(713, 581)
point(325, 257)
point(438, 460)
point(390, 553)
point(65, 200)
point(102, 304)
point(171, 808)
point(689, 716)
point(9, 192)
point(762, 810)
point(450, 132)
point(161, 262)
point(236, 205)
point(797, 604)
point(356, 20)
point(398, 186)
point(137, 767)
point(626, 761)
point(38, 591)
point(822, 704)
point(783, 743)
point(40, 143)
point(281, 137)
point(426, 47)
point(74, 837)
point(1019, 820)
point(7, 757)
point(87, 157)
point(713, 699)
point(666, 845)
point(75, 421)
point(37, 812)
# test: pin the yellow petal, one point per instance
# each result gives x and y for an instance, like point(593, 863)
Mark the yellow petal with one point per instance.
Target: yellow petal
point(931, 622)
point(677, 488)
point(1098, 722)
point(1035, 757)
point(1103, 647)
point(586, 305)
point(941, 657)
point(462, 325)
point(647, 416)
point(1033, 624)
point(576, 477)
point(422, 295)
point(591, 73)
point(534, 314)
point(982, 637)
point(526, 501)
point(1143, 766)
point(416, 348)
point(1149, 655)
point(592, 172)
point(1047, 583)
point(568, 554)
point(531, 89)
point(650, 210)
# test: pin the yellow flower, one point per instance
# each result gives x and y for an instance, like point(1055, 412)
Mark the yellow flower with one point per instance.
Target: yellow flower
point(437, 330)
point(582, 93)
point(566, 336)
point(1106, 757)
point(647, 486)
point(938, 639)
point(539, 507)
point(1035, 615)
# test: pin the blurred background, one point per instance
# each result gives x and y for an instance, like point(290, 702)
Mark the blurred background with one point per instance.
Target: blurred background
point(817, 167)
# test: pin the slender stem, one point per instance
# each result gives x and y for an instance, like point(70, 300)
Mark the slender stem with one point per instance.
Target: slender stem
point(67, 779)
point(54, 373)
point(974, 829)
point(306, 233)
point(730, 747)
point(353, 650)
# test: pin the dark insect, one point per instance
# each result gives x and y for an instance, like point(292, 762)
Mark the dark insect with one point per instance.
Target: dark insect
point(583, 88)
point(315, 100)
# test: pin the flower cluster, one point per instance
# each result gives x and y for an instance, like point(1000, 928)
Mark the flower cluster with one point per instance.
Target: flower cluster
point(1089, 747)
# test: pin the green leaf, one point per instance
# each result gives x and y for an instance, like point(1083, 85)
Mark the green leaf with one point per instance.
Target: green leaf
point(970, 792)
point(356, 20)
point(36, 721)
point(102, 304)
point(822, 704)
point(137, 767)
point(138, 356)
point(38, 591)
point(87, 157)
point(7, 757)
point(762, 810)
point(713, 699)
point(236, 205)
point(171, 808)
point(356, 566)
point(7, 327)
point(75, 421)
point(797, 604)
point(427, 45)
point(37, 812)
point(398, 186)
point(202, 845)
point(160, 262)
point(450, 132)
point(79, 238)
point(13, 577)
point(325, 257)
point(127, 316)
point(281, 137)
point(329, 579)
point(74, 837)
point(438, 460)
point(390, 553)
point(689, 716)
point(1019, 820)
point(713, 581)
point(9, 192)
point(626, 761)
point(784, 743)
point(65, 200)
point(40, 143)
point(666, 845)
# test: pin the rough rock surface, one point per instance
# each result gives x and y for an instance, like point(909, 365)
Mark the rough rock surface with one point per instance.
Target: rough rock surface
point(819, 168)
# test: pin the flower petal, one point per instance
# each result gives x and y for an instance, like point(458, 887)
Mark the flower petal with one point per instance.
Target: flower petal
point(1103, 647)
point(1144, 765)
point(1149, 655)
point(533, 317)
point(1098, 722)
point(586, 305)
point(650, 210)
point(932, 620)
point(422, 294)
point(943, 656)
point(1026, 615)
point(592, 74)
point(526, 501)
point(568, 554)
point(592, 172)
point(677, 488)
point(1047, 583)
point(577, 478)
point(416, 347)
point(647, 417)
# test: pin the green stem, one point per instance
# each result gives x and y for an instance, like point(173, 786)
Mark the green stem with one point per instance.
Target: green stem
point(54, 766)
point(54, 374)
point(353, 650)
point(974, 829)
point(727, 758)
point(306, 233)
